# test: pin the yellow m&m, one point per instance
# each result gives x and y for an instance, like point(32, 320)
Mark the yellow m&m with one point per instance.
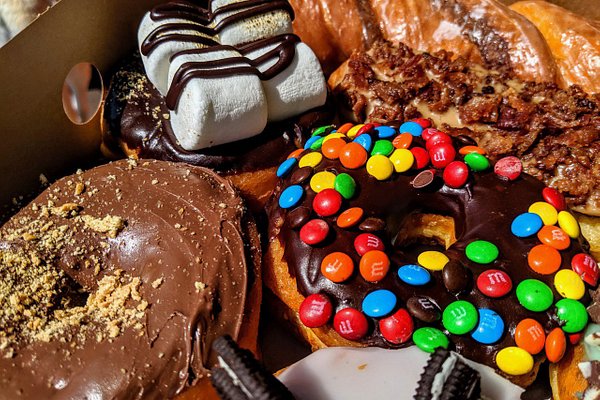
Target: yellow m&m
point(568, 284)
point(433, 260)
point(354, 130)
point(322, 180)
point(546, 211)
point(310, 160)
point(513, 360)
point(380, 167)
point(569, 224)
point(402, 159)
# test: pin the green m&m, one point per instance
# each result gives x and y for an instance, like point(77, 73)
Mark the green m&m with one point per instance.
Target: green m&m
point(345, 185)
point(322, 130)
point(573, 314)
point(477, 162)
point(460, 317)
point(482, 251)
point(383, 147)
point(428, 339)
point(534, 295)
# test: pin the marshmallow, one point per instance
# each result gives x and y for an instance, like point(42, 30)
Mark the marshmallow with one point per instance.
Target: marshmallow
point(157, 61)
point(217, 110)
point(296, 89)
point(261, 26)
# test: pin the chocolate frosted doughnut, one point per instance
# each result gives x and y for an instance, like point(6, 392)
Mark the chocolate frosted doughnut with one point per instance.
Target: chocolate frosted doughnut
point(115, 281)
point(376, 241)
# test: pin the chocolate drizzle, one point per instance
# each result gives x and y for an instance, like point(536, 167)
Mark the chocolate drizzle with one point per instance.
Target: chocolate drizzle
point(483, 210)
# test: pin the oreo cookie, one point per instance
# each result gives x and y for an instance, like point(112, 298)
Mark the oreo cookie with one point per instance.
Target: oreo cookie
point(447, 377)
point(240, 376)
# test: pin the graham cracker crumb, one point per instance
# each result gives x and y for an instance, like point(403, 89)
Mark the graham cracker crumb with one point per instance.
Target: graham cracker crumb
point(111, 225)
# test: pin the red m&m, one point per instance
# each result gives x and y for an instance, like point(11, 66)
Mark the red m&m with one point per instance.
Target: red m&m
point(428, 133)
point(327, 202)
point(437, 138)
point(424, 122)
point(494, 283)
point(555, 198)
point(314, 231)
point(509, 168)
point(350, 324)
point(367, 242)
point(442, 154)
point(586, 268)
point(315, 310)
point(421, 157)
point(456, 174)
point(397, 328)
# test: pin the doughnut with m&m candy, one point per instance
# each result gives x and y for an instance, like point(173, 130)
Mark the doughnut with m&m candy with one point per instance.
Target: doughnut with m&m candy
point(428, 243)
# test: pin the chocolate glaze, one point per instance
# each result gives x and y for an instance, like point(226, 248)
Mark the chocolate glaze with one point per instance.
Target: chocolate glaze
point(184, 225)
point(483, 209)
point(136, 116)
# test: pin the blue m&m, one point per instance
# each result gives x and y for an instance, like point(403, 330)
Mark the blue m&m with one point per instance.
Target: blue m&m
point(411, 127)
point(526, 224)
point(365, 141)
point(379, 303)
point(311, 141)
point(414, 275)
point(285, 167)
point(291, 196)
point(489, 328)
point(385, 132)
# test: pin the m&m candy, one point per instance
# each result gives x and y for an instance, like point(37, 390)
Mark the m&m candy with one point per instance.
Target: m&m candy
point(544, 259)
point(295, 154)
point(350, 324)
point(460, 317)
point(494, 283)
point(402, 159)
point(573, 314)
point(428, 339)
point(534, 295)
point(456, 277)
point(315, 310)
point(414, 275)
point(349, 217)
point(322, 130)
point(421, 157)
point(513, 360)
point(556, 345)
point(353, 155)
point(490, 327)
point(337, 267)
point(367, 242)
point(345, 185)
point(382, 147)
point(385, 132)
point(345, 128)
point(436, 139)
point(291, 196)
point(508, 168)
point(442, 154)
point(365, 141)
point(285, 167)
point(471, 149)
point(398, 327)
point(569, 224)
point(374, 265)
point(411, 127)
point(554, 236)
point(380, 167)
point(403, 141)
point(433, 260)
point(423, 308)
point(314, 231)
point(586, 267)
point(526, 224)
point(568, 284)
point(332, 148)
point(555, 198)
point(456, 174)
point(310, 160)
point(379, 303)
point(428, 133)
point(366, 128)
point(530, 336)
point(322, 180)
point(327, 202)
point(477, 162)
point(546, 212)
point(353, 131)
point(424, 122)
point(482, 251)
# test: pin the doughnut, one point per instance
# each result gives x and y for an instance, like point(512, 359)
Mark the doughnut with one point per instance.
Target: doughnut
point(389, 235)
point(227, 87)
point(115, 282)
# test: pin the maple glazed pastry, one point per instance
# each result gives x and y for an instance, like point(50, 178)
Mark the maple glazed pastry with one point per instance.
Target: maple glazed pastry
point(115, 282)
point(389, 235)
point(228, 87)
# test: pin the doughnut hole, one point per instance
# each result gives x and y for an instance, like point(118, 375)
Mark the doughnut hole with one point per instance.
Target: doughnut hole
point(590, 229)
point(426, 228)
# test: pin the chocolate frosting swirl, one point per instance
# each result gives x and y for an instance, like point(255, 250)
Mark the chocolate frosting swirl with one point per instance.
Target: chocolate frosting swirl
point(184, 237)
point(482, 210)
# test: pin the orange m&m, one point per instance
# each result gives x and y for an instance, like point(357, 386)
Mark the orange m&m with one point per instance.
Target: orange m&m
point(337, 267)
point(349, 217)
point(530, 336)
point(353, 155)
point(554, 236)
point(471, 149)
point(556, 344)
point(544, 259)
point(332, 148)
point(295, 153)
point(345, 128)
point(403, 141)
point(374, 265)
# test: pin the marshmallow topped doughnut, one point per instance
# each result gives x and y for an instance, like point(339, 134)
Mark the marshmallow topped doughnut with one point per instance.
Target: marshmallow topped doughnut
point(218, 61)
point(115, 282)
point(382, 238)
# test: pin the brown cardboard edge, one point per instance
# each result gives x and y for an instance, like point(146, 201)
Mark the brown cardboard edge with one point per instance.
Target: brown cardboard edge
point(35, 134)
